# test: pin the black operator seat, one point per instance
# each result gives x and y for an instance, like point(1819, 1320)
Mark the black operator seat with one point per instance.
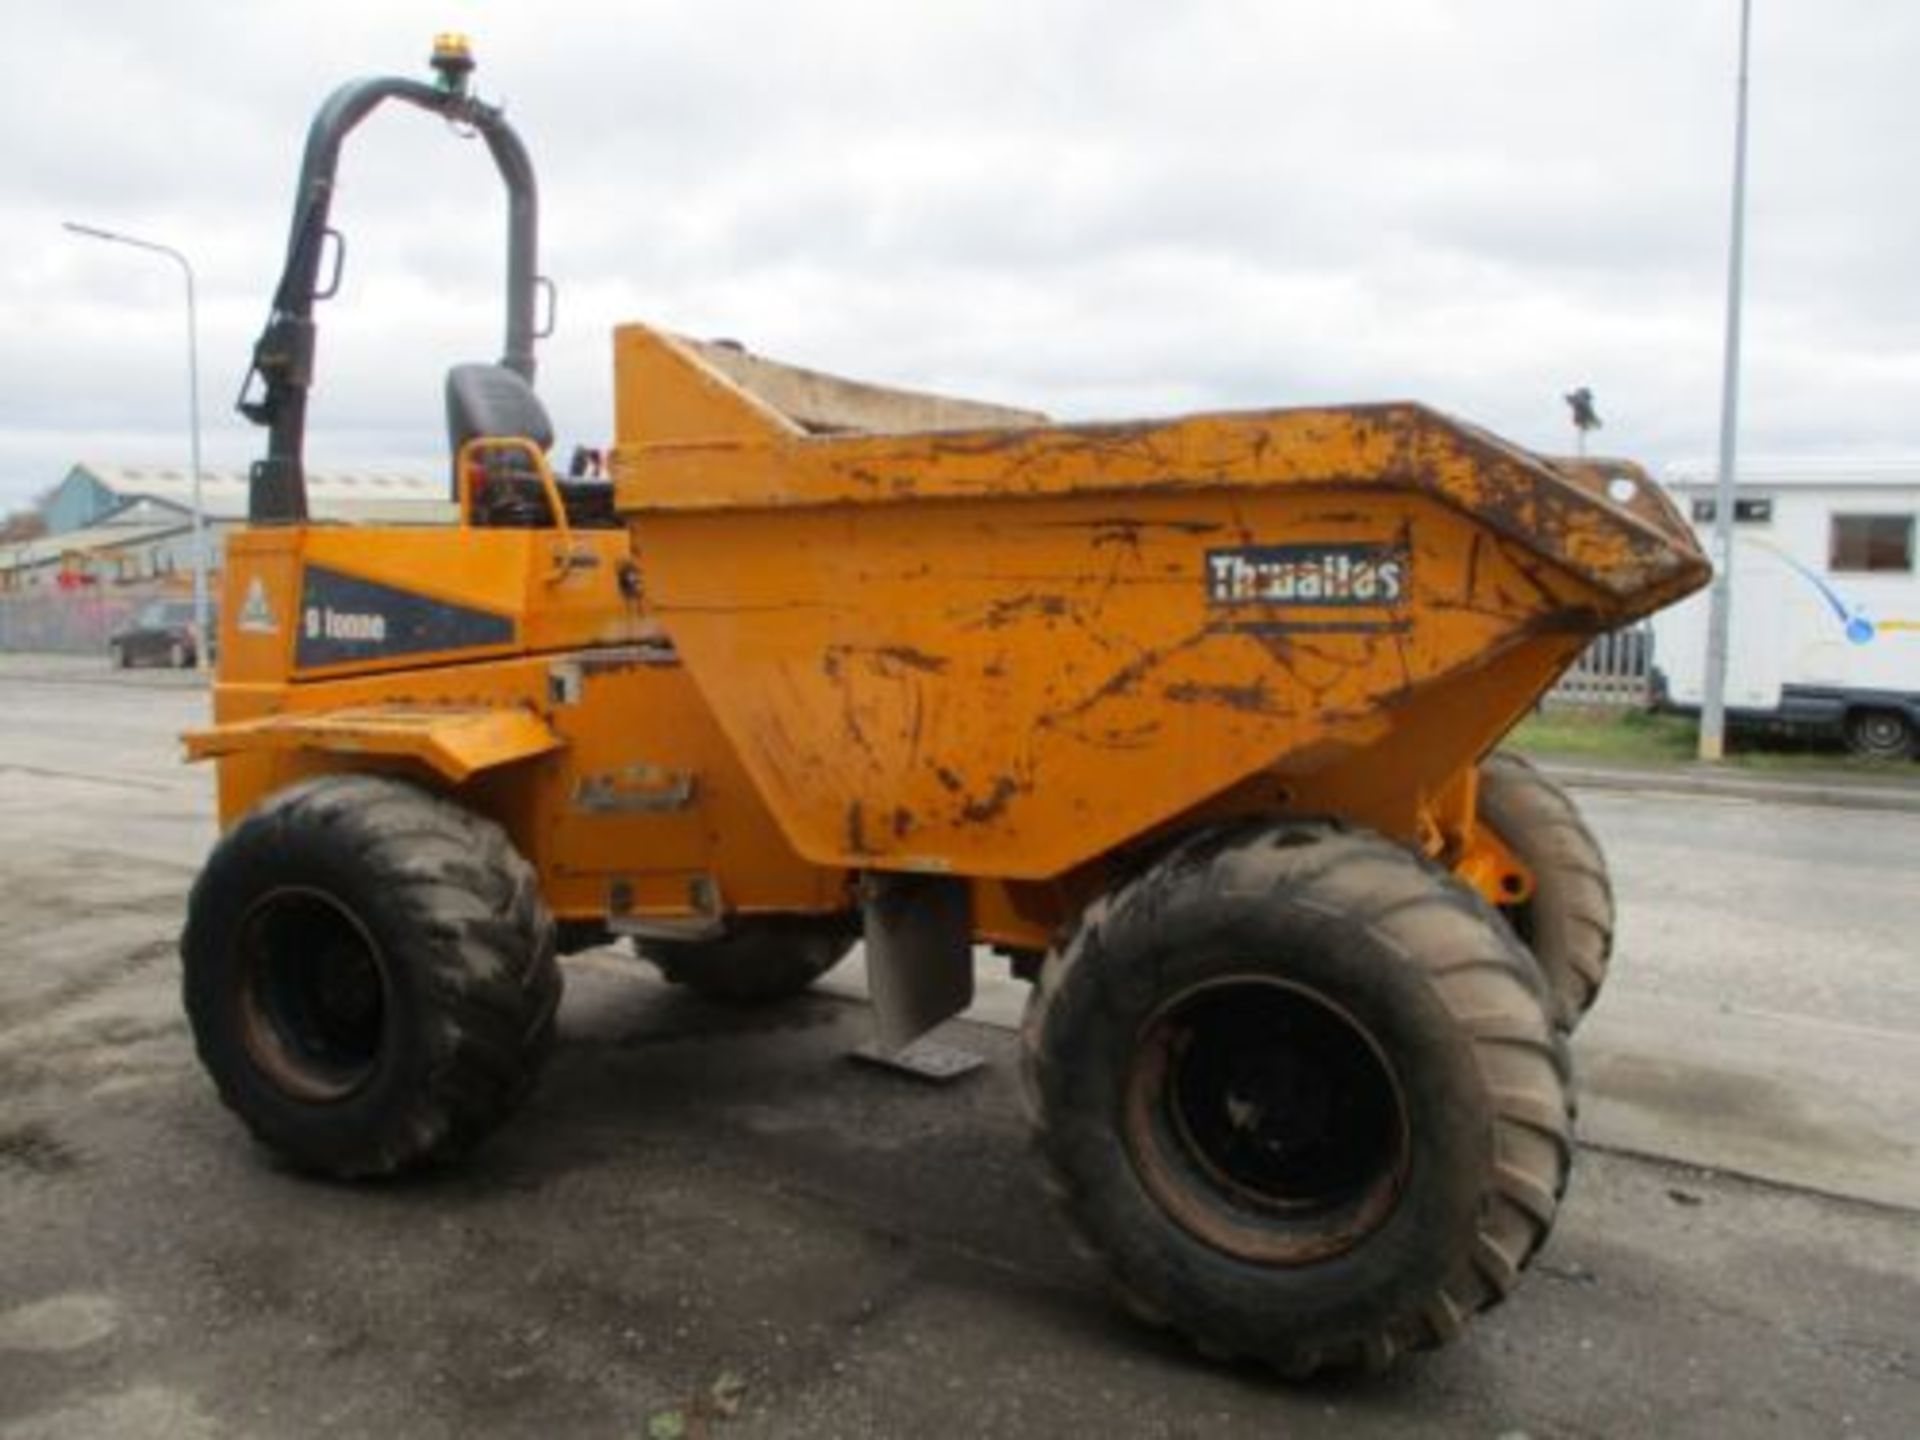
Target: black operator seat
point(491, 402)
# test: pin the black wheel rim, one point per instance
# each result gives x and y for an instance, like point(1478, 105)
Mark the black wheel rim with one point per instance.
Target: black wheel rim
point(313, 995)
point(1880, 734)
point(1266, 1120)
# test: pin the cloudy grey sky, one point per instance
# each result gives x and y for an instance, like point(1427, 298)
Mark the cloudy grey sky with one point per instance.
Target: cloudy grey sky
point(1099, 207)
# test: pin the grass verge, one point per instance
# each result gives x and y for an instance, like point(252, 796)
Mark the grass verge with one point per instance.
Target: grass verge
point(1635, 737)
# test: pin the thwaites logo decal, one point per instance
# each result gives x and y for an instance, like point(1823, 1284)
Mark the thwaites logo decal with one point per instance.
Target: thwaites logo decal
point(1296, 586)
point(256, 616)
point(344, 618)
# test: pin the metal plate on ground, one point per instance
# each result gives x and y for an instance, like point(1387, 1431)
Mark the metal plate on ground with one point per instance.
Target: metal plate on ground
point(923, 1060)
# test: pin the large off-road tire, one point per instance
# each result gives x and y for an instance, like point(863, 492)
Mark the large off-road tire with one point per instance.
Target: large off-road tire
point(1300, 1090)
point(759, 961)
point(1567, 922)
point(370, 975)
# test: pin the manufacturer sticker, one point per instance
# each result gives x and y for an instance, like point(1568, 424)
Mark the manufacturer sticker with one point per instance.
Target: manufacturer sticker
point(1310, 587)
point(344, 618)
point(1316, 576)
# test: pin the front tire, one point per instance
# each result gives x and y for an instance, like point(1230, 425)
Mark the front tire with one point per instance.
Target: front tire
point(370, 976)
point(1301, 1092)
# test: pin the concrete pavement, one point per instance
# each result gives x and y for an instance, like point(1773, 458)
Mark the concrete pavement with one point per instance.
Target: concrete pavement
point(715, 1220)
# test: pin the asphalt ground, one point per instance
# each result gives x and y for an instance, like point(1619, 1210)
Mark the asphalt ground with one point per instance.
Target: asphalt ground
point(704, 1222)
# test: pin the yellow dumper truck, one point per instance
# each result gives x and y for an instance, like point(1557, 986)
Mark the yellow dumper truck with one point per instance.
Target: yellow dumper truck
point(1192, 720)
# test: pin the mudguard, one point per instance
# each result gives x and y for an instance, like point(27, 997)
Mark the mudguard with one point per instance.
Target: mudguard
point(456, 743)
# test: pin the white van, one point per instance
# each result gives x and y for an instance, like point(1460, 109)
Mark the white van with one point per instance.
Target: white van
point(1825, 626)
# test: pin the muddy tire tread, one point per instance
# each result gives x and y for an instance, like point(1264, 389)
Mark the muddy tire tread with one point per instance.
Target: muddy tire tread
point(474, 932)
point(1569, 923)
point(1472, 962)
point(762, 962)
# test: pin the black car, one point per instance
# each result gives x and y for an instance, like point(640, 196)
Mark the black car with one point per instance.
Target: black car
point(161, 634)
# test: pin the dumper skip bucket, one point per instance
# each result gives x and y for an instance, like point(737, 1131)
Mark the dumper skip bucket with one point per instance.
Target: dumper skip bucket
point(955, 638)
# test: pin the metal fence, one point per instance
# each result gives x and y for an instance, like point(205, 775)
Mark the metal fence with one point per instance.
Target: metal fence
point(73, 622)
point(1617, 669)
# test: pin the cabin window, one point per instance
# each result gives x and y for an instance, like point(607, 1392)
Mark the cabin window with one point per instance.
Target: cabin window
point(1872, 544)
point(1753, 510)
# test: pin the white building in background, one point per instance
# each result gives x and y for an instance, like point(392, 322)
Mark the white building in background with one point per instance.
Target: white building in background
point(126, 524)
point(1825, 630)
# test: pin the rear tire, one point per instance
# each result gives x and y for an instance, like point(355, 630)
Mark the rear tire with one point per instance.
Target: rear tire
point(370, 976)
point(1301, 1092)
point(1567, 923)
point(1879, 735)
point(759, 961)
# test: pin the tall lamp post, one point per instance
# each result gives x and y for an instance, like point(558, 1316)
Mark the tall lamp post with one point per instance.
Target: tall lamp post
point(201, 618)
point(1713, 706)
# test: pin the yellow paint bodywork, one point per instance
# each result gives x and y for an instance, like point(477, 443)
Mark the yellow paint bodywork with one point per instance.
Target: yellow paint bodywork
point(993, 652)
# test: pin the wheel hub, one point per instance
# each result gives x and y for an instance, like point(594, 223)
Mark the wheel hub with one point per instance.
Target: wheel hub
point(313, 994)
point(1883, 732)
point(1266, 1120)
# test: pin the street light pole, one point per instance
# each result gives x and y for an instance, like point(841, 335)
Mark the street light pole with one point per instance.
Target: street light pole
point(201, 617)
point(1713, 707)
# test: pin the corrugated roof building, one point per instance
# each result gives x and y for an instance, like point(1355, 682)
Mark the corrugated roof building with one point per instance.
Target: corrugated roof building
point(92, 492)
point(124, 524)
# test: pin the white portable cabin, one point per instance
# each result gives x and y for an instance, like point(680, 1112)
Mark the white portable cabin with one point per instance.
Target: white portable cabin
point(1825, 625)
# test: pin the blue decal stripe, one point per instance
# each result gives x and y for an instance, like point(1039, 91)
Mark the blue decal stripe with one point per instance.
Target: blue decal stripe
point(1818, 582)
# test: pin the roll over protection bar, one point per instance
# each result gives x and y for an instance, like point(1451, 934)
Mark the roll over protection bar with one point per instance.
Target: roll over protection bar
point(274, 393)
